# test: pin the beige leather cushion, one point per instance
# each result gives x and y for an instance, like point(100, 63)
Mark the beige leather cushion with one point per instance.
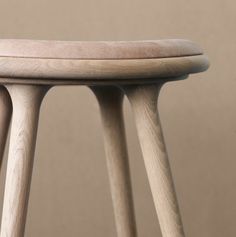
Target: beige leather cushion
point(98, 49)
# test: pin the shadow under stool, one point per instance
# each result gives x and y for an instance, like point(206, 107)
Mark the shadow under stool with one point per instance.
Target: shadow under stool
point(137, 69)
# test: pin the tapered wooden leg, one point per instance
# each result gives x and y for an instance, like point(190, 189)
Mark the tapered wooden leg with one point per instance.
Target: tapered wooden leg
point(143, 100)
point(110, 100)
point(5, 118)
point(26, 101)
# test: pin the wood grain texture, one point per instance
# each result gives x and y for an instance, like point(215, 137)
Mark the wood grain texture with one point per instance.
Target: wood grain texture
point(98, 49)
point(143, 99)
point(111, 100)
point(5, 118)
point(26, 105)
point(95, 70)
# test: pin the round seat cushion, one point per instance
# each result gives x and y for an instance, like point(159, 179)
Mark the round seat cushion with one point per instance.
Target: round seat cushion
point(98, 49)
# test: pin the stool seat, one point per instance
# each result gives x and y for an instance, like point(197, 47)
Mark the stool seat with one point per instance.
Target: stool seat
point(80, 62)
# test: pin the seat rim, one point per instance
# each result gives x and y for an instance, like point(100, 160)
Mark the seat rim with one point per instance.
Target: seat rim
point(94, 50)
point(86, 72)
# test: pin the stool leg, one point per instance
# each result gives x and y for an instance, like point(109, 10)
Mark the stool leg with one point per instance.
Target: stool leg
point(5, 118)
point(143, 100)
point(111, 100)
point(26, 101)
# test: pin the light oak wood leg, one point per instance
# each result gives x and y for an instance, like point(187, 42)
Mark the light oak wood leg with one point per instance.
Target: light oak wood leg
point(26, 101)
point(5, 118)
point(143, 100)
point(111, 100)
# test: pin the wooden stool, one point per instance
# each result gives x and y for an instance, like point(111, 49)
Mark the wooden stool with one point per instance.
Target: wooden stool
point(29, 68)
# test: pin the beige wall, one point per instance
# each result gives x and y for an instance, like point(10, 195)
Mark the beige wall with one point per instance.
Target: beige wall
point(70, 193)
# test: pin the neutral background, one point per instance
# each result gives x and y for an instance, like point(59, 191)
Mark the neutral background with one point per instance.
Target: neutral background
point(70, 190)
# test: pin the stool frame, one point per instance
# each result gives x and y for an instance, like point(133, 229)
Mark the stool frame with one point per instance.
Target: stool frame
point(26, 100)
point(25, 82)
